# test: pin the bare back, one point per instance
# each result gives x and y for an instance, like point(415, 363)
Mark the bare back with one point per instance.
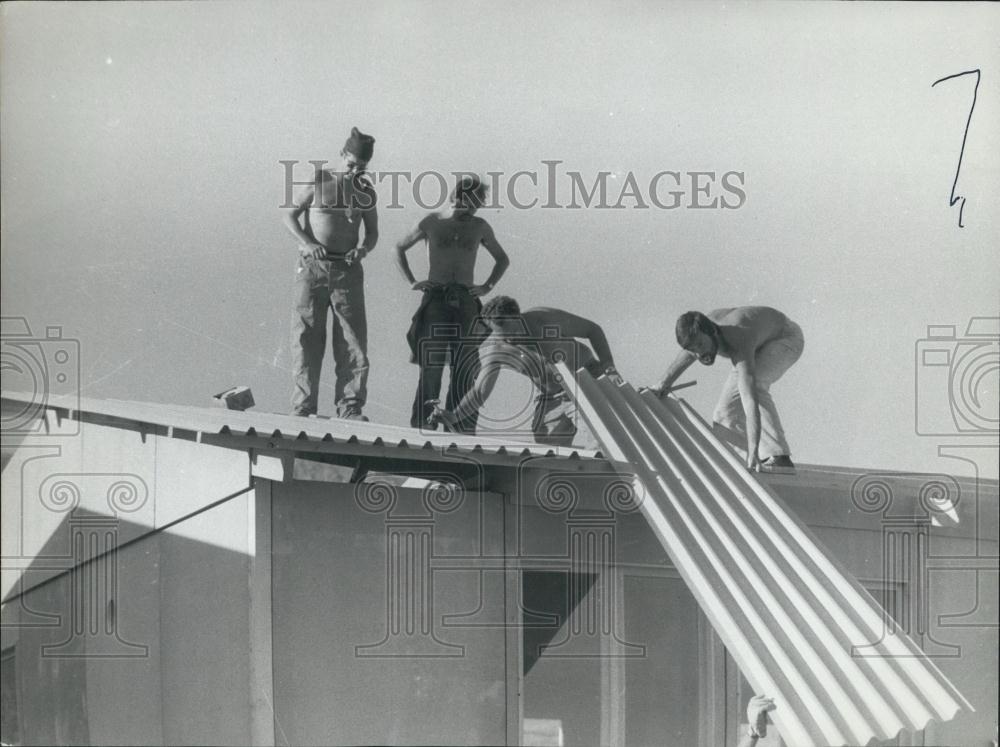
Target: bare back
point(746, 328)
point(556, 337)
point(549, 335)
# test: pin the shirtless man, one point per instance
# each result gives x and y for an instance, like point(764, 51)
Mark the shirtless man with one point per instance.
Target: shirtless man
point(443, 328)
point(762, 344)
point(530, 342)
point(330, 276)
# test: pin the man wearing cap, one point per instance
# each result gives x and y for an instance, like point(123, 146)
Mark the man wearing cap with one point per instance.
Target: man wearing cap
point(329, 276)
point(762, 344)
point(443, 328)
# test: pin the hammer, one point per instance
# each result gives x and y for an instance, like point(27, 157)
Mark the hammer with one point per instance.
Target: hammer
point(437, 416)
point(669, 390)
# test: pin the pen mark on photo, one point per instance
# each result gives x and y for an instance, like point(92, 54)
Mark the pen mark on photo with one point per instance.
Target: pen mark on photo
point(956, 198)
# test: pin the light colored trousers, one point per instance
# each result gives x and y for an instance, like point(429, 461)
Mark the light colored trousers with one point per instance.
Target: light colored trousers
point(555, 423)
point(771, 361)
point(323, 286)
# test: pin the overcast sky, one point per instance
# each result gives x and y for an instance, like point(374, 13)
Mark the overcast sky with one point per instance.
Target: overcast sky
point(141, 183)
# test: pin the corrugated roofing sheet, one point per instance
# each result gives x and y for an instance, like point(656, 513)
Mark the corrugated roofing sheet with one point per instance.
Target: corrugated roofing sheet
point(219, 421)
point(800, 627)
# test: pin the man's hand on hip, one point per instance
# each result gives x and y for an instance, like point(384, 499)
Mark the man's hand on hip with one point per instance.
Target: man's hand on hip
point(355, 255)
point(312, 251)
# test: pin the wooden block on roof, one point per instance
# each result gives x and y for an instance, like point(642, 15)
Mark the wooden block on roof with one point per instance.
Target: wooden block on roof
point(237, 398)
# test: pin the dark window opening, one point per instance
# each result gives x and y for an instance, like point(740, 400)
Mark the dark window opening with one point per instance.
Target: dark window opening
point(10, 723)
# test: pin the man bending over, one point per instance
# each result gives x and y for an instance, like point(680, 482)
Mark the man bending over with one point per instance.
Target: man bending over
point(762, 343)
point(530, 342)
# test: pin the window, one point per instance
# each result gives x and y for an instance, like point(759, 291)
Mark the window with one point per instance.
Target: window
point(620, 658)
point(562, 684)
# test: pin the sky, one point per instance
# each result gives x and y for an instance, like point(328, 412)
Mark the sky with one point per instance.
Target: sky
point(141, 148)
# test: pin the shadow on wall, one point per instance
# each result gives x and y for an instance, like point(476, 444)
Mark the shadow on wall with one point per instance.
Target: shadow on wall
point(142, 644)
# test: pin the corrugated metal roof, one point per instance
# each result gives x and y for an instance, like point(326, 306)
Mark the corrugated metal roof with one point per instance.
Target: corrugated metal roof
point(290, 431)
point(793, 619)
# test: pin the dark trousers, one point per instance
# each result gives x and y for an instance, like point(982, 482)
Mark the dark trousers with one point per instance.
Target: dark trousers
point(321, 286)
point(444, 334)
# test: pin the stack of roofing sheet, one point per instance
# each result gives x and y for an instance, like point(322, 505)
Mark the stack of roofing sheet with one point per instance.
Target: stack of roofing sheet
point(800, 627)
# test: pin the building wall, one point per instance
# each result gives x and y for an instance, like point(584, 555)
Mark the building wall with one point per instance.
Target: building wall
point(388, 622)
point(204, 628)
point(381, 614)
point(137, 479)
point(935, 571)
point(160, 657)
point(932, 563)
point(128, 631)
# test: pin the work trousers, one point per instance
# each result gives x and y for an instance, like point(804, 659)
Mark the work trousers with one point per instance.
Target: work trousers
point(771, 361)
point(444, 333)
point(322, 285)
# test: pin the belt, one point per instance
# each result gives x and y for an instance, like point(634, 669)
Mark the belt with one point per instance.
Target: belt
point(452, 293)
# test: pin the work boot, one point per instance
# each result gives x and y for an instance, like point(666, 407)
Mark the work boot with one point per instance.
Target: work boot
point(779, 463)
point(353, 413)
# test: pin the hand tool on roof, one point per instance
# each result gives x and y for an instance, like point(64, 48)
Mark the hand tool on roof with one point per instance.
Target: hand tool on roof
point(440, 415)
point(668, 390)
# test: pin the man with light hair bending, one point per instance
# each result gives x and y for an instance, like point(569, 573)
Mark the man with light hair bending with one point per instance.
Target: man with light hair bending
point(530, 342)
point(762, 344)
